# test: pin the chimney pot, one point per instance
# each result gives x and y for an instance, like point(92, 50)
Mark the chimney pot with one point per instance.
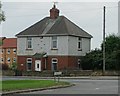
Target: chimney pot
point(54, 12)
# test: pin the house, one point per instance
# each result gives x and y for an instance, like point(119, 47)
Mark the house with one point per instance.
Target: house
point(8, 51)
point(54, 43)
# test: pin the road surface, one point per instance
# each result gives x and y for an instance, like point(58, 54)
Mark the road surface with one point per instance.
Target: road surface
point(85, 87)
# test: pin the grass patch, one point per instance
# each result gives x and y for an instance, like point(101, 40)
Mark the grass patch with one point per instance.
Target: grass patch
point(10, 85)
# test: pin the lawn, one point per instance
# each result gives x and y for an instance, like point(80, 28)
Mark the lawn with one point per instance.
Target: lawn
point(10, 85)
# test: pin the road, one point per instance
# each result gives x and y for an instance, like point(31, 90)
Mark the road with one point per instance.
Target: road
point(85, 87)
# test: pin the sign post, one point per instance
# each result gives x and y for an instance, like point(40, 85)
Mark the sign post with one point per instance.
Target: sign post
point(57, 74)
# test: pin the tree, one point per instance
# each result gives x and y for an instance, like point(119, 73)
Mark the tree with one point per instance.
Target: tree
point(112, 47)
point(112, 44)
point(94, 59)
point(13, 66)
point(2, 16)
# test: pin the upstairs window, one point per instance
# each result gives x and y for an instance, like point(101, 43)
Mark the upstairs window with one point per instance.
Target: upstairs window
point(2, 51)
point(54, 42)
point(29, 43)
point(79, 43)
point(8, 51)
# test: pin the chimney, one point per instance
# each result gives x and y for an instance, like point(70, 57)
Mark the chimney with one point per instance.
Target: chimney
point(54, 12)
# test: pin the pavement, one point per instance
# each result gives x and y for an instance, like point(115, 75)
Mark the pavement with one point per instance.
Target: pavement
point(78, 77)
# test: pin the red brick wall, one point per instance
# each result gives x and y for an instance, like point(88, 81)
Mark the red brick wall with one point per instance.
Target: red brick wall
point(64, 62)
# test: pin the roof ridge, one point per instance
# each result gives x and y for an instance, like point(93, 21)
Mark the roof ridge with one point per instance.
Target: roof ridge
point(57, 21)
point(45, 30)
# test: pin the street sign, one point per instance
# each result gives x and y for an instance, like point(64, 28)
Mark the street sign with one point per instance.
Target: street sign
point(57, 73)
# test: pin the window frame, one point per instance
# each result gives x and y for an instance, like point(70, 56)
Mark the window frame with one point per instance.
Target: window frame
point(29, 43)
point(28, 60)
point(14, 59)
point(2, 51)
point(8, 51)
point(9, 59)
point(52, 61)
point(14, 51)
point(2, 60)
point(54, 39)
point(79, 44)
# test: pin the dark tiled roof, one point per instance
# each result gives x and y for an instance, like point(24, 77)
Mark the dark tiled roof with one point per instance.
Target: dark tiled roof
point(50, 27)
point(39, 55)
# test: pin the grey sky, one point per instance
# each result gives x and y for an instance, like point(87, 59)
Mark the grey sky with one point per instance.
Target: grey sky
point(87, 15)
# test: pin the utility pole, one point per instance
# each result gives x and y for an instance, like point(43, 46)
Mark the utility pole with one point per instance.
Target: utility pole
point(104, 40)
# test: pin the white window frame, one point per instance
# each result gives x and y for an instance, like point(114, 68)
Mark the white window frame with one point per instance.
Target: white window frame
point(2, 60)
point(79, 43)
point(29, 60)
point(14, 59)
point(14, 51)
point(2, 51)
point(54, 40)
point(8, 51)
point(29, 41)
point(54, 62)
point(8, 60)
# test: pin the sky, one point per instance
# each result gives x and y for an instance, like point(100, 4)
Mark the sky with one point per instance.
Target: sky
point(87, 15)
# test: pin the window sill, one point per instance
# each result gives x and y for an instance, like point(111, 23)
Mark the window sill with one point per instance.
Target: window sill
point(54, 49)
point(79, 49)
point(29, 49)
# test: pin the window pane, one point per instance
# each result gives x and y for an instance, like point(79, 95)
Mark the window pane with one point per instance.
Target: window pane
point(2, 51)
point(14, 59)
point(37, 65)
point(8, 51)
point(8, 60)
point(54, 44)
point(29, 64)
point(29, 42)
point(79, 45)
point(14, 51)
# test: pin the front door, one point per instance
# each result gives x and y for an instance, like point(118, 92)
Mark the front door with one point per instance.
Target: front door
point(37, 65)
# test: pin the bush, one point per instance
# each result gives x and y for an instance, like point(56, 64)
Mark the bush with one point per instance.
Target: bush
point(13, 66)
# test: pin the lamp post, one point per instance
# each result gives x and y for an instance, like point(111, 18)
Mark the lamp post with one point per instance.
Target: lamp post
point(104, 40)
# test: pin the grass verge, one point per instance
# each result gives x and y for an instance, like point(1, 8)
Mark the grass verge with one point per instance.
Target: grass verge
point(12, 85)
